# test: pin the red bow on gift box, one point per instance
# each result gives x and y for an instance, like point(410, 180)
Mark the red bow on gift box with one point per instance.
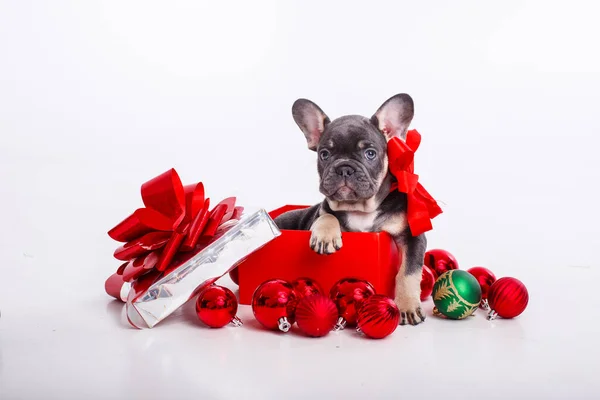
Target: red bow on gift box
point(421, 207)
point(175, 219)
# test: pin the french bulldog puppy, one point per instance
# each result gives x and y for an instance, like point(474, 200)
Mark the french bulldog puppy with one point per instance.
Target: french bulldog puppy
point(354, 178)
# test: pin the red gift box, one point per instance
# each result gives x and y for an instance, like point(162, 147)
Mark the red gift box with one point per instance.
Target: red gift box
point(370, 256)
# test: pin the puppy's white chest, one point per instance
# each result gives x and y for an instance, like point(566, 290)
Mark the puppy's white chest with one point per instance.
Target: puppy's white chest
point(395, 224)
point(361, 222)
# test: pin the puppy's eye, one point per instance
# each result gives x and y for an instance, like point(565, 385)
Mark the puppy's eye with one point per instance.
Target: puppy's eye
point(324, 154)
point(370, 154)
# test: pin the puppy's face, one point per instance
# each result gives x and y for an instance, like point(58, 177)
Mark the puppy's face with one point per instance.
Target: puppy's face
point(352, 150)
point(352, 159)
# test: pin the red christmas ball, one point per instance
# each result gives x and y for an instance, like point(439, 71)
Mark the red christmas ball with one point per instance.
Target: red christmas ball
point(507, 298)
point(273, 304)
point(348, 294)
point(316, 315)
point(427, 282)
point(216, 306)
point(235, 276)
point(305, 287)
point(378, 317)
point(440, 261)
point(485, 277)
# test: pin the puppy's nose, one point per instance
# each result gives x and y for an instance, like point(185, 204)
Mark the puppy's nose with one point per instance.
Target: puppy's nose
point(345, 170)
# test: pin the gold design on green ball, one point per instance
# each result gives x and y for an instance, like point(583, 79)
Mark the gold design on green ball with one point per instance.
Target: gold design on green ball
point(468, 311)
point(446, 290)
point(450, 283)
point(443, 291)
point(453, 305)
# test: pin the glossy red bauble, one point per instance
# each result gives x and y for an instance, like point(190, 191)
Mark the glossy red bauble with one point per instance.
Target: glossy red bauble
point(348, 294)
point(440, 261)
point(485, 277)
point(316, 315)
point(507, 298)
point(306, 287)
point(216, 307)
point(378, 317)
point(427, 282)
point(273, 304)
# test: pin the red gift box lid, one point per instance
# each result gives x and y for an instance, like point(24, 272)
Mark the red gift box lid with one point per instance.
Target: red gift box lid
point(364, 255)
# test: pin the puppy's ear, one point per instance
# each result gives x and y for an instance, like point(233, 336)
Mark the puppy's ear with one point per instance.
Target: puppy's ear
point(311, 120)
point(394, 116)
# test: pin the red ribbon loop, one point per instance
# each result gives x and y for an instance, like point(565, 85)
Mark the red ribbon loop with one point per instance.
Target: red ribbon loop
point(421, 207)
point(165, 194)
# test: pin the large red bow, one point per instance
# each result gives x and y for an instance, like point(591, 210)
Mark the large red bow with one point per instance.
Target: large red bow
point(175, 219)
point(421, 207)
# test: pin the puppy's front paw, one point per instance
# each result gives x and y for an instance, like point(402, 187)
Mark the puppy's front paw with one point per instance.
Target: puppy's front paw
point(410, 310)
point(326, 240)
point(326, 237)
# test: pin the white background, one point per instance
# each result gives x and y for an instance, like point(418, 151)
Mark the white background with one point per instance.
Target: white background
point(97, 97)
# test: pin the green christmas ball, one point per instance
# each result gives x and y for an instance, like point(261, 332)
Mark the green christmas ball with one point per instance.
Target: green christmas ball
point(456, 294)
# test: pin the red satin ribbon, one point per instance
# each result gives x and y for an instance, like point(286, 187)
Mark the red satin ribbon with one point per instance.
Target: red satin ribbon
point(421, 207)
point(175, 219)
